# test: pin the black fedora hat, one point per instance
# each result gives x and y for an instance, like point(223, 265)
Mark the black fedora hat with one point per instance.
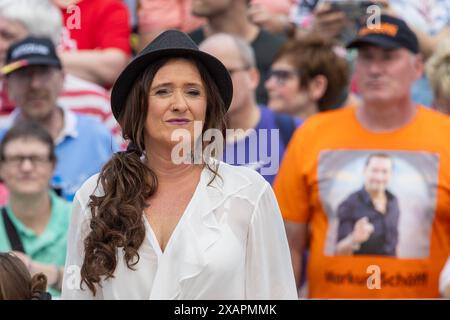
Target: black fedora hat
point(167, 44)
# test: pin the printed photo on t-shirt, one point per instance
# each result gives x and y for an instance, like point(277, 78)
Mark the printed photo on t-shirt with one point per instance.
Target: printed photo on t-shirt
point(378, 202)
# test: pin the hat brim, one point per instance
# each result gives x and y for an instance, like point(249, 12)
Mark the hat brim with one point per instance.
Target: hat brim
point(19, 64)
point(376, 40)
point(126, 79)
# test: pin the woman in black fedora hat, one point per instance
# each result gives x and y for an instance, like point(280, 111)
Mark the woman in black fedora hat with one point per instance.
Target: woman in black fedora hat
point(150, 226)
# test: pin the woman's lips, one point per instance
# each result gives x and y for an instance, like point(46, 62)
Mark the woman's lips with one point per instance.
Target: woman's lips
point(178, 121)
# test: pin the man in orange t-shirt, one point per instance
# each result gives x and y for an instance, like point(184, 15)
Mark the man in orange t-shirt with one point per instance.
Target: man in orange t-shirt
point(325, 165)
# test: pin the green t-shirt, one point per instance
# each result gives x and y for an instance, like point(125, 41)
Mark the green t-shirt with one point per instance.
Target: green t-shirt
point(48, 247)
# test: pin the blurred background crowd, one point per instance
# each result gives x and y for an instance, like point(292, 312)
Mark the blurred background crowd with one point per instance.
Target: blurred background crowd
point(288, 61)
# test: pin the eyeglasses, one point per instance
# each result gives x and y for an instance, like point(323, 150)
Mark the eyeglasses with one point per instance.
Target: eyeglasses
point(281, 76)
point(232, 71)
point(36, 160)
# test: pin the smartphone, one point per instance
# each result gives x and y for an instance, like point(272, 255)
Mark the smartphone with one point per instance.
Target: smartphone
point(353, 9)
point(356, 13)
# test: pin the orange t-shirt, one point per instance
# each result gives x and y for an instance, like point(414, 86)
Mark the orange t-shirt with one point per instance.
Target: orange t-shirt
point(322, 181)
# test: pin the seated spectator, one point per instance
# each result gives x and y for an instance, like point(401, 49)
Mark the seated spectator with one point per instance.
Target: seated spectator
point(16, 282)
point(438, 72)
point(96, 39)
point(22, 18)
point(34, 78)
point(256, 136)
point(308, 76)
point(155, 16)
point(35, 221)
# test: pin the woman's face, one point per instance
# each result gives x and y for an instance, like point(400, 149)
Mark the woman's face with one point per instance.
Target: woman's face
point(177, 100)
point(26, 168)
point(283, 87)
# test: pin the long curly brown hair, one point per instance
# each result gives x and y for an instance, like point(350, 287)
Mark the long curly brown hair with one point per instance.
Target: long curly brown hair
point(128, 183)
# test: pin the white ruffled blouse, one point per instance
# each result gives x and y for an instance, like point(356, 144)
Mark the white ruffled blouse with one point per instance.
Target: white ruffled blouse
point(230, 243)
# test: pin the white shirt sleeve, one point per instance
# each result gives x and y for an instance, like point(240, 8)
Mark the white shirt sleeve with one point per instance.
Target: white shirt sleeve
point(444, 280)
point(269, 273)
point(78, 230)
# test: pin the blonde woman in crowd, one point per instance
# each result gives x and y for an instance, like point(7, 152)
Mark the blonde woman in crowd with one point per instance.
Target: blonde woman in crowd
point(438, 72)
point(308, 76)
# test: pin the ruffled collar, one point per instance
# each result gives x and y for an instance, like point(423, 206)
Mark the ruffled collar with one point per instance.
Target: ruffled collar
point(198, 230)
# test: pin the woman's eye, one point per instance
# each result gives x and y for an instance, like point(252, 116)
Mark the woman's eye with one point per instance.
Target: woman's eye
point(193, 92)
point(161, 91)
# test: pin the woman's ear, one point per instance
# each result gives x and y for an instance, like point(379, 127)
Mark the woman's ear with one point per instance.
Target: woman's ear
point(317, 87)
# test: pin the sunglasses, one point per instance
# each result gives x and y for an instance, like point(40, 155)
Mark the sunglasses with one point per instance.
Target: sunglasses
point(281, 76)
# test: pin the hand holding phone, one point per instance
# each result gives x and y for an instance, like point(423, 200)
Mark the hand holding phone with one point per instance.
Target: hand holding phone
point(327, 22)
point(356, 10)
point(356, 13)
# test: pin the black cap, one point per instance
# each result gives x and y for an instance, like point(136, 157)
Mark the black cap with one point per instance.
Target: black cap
point(390, 33)
point(30, 51)
point(171, 43)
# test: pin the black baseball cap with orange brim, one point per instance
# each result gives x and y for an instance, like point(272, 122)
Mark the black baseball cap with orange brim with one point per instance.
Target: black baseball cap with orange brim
point(389, 33)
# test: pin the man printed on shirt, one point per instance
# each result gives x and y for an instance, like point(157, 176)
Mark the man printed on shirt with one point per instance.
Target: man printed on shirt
point(368, 218)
